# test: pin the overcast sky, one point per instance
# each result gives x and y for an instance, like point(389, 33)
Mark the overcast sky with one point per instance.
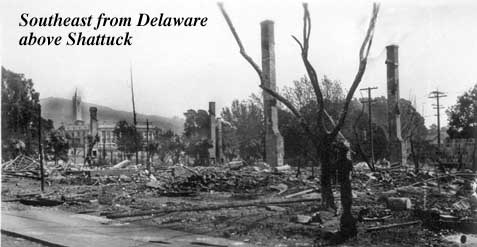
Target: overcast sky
point(176, 69)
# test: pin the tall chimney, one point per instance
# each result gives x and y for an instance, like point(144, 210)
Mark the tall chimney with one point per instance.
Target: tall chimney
point(273, 138)
point(396, 144)
point(93, 121)
point(213, 129)
point(220, 148)
point(77, 107)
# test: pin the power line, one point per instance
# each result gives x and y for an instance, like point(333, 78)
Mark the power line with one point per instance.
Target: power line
point(437, 95)
point(369, 101)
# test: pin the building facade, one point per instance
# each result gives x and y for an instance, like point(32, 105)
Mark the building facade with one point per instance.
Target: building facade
point(106, 148)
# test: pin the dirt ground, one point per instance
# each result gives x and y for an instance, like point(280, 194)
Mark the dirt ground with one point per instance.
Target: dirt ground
point(257, 225)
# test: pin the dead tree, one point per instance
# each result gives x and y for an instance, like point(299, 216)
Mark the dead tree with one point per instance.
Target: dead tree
point(410, 128)
point(359, 149)
point(324, 139)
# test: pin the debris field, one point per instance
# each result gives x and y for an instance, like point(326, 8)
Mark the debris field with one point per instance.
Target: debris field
point(394, 206)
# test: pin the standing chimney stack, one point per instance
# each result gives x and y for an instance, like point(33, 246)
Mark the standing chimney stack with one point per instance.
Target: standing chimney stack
point(220, 148)
point(93, 121)
point(77, 107)
point(213, 129)
point(273, 138)
point(396, 144)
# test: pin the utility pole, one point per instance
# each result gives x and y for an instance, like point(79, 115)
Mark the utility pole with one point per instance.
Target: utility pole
point(370, 129)
point(84, 152)
point(104, 146)
point(147, 145)
point(134, 112)
point(437, 95)
point(40, 150)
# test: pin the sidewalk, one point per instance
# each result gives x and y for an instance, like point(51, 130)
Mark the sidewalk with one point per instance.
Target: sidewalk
point(58, 228)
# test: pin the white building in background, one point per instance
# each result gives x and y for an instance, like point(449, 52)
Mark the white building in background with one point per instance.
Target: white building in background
point(107, 146)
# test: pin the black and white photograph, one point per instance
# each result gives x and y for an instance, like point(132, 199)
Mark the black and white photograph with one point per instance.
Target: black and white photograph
point(238, 123)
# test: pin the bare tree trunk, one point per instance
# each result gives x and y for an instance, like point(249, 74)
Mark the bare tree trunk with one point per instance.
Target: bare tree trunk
point(325, 137)
point(414, 156)
point(325, 180)
point(358, 144)
point(347, 221)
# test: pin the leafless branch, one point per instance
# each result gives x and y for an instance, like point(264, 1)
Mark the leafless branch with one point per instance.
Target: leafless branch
point(304, 45)
point(409, 128)
point(363, 58)
point(358, 144)
point(365, 47)
point(299, 43)
point(333, 123)
point(274, 94)
point(292, 108)
point(280, 98)
point(239, 43)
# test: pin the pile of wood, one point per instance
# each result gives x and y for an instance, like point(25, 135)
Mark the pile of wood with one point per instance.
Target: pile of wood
point(22, 166)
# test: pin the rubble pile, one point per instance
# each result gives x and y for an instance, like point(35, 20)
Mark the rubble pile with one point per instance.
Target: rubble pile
point(78, 174)
point(194, 198)
point(22, 166)
point(439, 200)
point(182, 179)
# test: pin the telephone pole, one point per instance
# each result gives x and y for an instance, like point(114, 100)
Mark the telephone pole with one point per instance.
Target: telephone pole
point(134, 113)
point(369, 101)
point(40, 150)
point(104, 146)
point(437, 95)
point(147, 145)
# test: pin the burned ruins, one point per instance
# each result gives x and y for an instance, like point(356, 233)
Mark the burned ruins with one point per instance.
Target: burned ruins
point(315, 163)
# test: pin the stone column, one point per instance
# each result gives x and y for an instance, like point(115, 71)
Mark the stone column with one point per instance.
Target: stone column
point(213, 129)
point(396, 144)
point(220, 150)
point(273, 139)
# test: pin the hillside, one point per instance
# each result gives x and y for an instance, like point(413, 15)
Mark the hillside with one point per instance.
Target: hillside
point(60, 110)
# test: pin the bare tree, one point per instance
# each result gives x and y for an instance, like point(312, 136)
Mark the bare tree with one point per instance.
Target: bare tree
point(412, 132)
point(359, 148)
point(333, 152)
point(410, 129)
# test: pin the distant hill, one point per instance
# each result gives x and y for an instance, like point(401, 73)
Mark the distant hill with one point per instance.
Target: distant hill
point(60, 110)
